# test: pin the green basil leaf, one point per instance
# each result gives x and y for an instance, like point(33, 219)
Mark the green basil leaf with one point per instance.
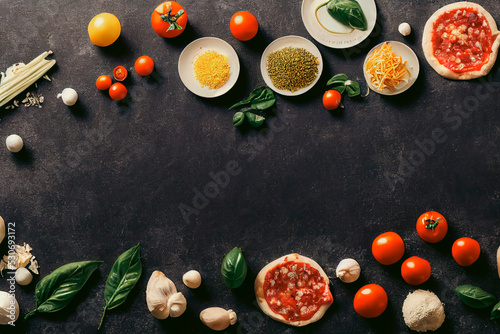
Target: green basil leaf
point(234, 268)
point(495, 313)
point(340, 89)
point(348, 12)
point(353, 88)
point(122, 278)
point(474, 296)
point(261, 93)
point(254, 120)
point(238, 118)
point(56, 290)
point(340, 78)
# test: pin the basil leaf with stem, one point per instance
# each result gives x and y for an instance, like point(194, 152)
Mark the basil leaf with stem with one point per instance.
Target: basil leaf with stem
point(122, 278)
point(352, 88)
point(238, 118)
point(340, 78)
point(261, 94)
point(56, 290)
point(254, 120)
point(474, 296)
point(348, 12)
point(495, 312)
point(234, 268)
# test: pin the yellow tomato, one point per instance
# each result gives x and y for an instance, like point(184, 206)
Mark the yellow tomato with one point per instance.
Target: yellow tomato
point(104, 29)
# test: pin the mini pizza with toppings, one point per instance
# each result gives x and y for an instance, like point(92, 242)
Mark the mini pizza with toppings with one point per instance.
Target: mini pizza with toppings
point(293, 289)
point(461, 41)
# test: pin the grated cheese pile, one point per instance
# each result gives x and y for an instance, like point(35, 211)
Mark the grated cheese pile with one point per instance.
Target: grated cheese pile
point(212, 69)
point(386, 68)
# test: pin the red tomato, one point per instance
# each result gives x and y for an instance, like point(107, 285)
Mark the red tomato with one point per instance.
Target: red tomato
point(103, 82)
point(144, 65)
point(117, 91)
point(169, 19)
point(370, 301)
point(243, 26)
point(120, 73)
point(415, 270)
point(465, 251)
point(388, 248)
point(331, 99)
point(432, 226)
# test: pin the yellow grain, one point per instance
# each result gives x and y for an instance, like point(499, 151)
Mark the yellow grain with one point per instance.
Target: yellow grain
point(211, 69)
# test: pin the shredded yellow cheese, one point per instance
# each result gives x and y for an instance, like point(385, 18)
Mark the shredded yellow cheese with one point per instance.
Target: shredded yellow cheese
point(211, 69)
point(386, 68)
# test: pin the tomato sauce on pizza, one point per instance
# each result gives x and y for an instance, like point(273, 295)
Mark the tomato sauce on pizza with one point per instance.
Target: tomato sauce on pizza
point(462, 40)
point(295, 290)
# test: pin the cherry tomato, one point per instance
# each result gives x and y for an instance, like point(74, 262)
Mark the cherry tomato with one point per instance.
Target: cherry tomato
point(370, 301)
point(244, 26)
point(331, 99)
point(120, 73)
point(432, 226)
point(169, 19)
point(117, 91)
point(144, 65)
point(104, 29)
point(103, 82)
point(415, 270)
point(388, 248)
point(465, 251)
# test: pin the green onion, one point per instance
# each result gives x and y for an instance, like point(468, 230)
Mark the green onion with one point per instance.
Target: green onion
point(24, 77)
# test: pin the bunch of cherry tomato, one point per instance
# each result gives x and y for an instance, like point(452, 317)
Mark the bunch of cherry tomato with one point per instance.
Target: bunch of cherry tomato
point(144, 66)
point(388, 248)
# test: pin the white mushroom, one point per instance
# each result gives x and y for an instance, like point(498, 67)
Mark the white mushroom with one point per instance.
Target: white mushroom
point(69, 96)
point(162, 297)
point(9, 309)
point(404, 29)
point(217, 318)
point(192, 279)
point(23, 276)
point(14, 143)
point(348, 270)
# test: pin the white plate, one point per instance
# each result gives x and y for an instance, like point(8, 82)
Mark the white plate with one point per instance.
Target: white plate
point(295, 42)
point(412, 65)
point(199, 47)
point(320, 25)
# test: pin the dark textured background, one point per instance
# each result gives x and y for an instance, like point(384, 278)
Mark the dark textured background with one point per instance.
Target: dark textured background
point(98, 178)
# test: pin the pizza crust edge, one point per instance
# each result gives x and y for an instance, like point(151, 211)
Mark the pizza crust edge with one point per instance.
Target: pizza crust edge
point(428, 48)
point(259, 289)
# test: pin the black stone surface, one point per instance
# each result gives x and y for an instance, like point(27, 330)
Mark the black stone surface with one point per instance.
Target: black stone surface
point(100, 177)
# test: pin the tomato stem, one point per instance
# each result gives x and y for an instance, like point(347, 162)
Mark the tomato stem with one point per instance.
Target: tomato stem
point(172, 19)
point(431, 224)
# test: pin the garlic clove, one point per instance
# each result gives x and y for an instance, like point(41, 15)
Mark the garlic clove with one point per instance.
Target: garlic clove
point(23, 276)
point(158, 292)
point(192, 279)
point(348, 270)
point(176, 304)
point(9, 308)
point(404, 29)
point(217, 318)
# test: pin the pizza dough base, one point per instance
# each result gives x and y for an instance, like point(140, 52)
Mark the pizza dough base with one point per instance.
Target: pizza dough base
point(429, 49)
point(261, 300)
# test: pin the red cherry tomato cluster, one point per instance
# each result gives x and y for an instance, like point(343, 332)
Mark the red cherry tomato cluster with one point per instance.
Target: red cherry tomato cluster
point(144, 66)
point(388, 248)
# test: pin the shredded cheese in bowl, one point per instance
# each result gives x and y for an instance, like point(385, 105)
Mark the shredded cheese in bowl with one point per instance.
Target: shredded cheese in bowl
point(386, 69)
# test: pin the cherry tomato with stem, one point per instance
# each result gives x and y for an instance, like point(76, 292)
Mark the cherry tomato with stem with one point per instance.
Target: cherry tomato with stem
point(388, 248)
point(432, 226)
point(244, 26)
point(120, 73)
point(144, 65)
point(169, 19)
point(466, 251)
point(103, 82)
point(416, 270)
point(117, 91)
point(332, 99)
point(370, 301)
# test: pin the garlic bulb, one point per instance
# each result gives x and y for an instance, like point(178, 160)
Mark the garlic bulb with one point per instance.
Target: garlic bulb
point(348, 270)
point(9, 308)
point(217, 318)
point(162, 297)
point(23, 276)
point(69, 96)
point(404, 29)
point(2, 229)
point(192, 279)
